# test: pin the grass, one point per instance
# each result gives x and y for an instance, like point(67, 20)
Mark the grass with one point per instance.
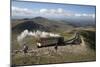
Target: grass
point(66, 35)
point(90, 38)
point(53, 57)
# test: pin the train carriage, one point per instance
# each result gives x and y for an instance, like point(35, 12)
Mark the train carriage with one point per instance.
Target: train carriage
point(49, 41)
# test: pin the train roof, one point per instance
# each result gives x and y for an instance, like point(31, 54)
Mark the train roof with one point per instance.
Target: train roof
point(50, 37)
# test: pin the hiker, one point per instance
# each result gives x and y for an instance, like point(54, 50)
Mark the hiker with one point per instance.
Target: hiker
point(25, 48)
point(56, 47)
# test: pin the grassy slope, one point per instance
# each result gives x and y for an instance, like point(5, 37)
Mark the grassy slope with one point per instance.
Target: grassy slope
point(64, 54)
point(90, 38)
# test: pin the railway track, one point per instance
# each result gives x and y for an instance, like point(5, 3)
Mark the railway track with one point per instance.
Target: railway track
point(75, 40)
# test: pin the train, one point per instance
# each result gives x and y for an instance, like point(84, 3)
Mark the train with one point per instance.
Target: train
point(49, 41)
point(57, 41)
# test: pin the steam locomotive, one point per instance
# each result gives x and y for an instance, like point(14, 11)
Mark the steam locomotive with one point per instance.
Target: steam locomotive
point(49, 41)
point(52, 41)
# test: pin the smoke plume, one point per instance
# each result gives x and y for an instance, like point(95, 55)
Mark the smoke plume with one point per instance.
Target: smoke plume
point(36, 34)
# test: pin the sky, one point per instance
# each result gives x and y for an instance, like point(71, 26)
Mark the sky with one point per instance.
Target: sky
point(52, 10)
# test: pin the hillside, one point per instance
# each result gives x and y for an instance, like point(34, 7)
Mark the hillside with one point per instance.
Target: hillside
point(68, 53)
point(89, 38)
point(85, 51)
point(39, 23)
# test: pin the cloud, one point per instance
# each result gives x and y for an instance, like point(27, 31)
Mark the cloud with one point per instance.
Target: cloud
point(93, 15)
point(43, 10)
point(18, 11)
point(58, 12)
point(84, 15)
point(21, 11)
point(52, 11)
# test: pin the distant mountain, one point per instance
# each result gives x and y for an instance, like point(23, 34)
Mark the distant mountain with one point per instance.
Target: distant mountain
point(39, 23)
point(80, 22)
point(29, 25)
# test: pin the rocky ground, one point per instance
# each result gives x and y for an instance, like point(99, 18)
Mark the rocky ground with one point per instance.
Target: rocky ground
point(45, 55)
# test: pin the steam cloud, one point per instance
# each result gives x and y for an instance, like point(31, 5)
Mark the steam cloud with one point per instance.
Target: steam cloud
point(36, 34)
